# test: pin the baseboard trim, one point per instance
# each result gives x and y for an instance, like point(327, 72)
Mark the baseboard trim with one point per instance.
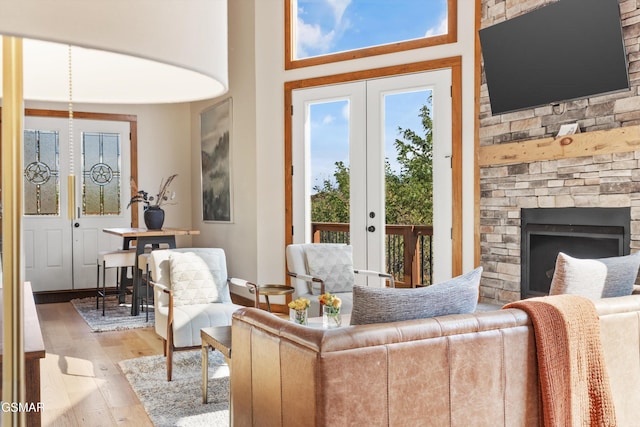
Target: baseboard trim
point(49, 297)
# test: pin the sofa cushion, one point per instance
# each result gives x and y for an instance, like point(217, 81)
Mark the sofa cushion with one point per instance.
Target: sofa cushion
point(189, 319)
point(380, 305)
point(333, 264)
point(595, 278)
point(192, 280)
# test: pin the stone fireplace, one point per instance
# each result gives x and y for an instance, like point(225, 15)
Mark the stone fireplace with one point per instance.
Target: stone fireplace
point(578, 232)
point(600, 182)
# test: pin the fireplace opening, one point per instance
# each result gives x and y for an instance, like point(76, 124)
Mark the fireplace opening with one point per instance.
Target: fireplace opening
point(578, 232)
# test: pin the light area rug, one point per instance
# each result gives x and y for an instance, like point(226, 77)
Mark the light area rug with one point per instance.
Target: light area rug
point(179, 402)
point(117, 316)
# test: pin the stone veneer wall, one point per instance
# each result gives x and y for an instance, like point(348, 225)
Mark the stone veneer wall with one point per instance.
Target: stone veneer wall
point(611, 180)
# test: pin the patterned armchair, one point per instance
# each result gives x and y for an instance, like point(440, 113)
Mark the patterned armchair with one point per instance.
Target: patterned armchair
point(317, 268)
point(191, 292)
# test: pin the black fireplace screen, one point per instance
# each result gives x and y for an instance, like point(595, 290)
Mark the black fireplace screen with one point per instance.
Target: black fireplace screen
point(578, 232)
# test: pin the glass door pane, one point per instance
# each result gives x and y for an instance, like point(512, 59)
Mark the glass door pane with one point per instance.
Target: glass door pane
point(101, 178)
point(329, 170)
point(408, 148)
point(41, 172)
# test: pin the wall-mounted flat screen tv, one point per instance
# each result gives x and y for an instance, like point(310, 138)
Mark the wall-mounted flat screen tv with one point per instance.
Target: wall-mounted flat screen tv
point(566, 50)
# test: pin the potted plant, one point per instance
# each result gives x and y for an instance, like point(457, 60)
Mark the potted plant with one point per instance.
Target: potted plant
point(153, 212)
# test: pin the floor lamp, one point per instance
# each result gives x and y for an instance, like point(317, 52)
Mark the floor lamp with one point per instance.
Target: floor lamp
point(141, 52)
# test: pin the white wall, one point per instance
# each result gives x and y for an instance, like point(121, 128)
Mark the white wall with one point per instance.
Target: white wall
point(238, 238)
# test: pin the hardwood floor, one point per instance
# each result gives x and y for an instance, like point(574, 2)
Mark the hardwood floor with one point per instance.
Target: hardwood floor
point(82, 384)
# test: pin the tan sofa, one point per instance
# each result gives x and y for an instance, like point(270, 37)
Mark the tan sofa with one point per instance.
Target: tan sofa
point(463, 370)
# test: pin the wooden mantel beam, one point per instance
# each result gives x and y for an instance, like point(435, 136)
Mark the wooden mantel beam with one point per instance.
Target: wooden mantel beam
point(618, 140)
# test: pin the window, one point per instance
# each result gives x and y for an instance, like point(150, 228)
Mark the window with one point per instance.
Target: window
point(322, 31)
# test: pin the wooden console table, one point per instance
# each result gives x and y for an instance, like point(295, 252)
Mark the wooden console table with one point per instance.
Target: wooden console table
point(33, 352)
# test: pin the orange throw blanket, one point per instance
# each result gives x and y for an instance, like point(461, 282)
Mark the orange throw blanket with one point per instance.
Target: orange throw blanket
point(573, 378)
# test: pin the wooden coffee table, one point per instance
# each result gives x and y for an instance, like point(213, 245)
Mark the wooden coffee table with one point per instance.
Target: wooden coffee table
point(218, 338)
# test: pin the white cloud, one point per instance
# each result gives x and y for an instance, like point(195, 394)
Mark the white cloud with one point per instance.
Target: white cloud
point(328, 119)
point(338, 7)
point(311, 38)
point(441, 28)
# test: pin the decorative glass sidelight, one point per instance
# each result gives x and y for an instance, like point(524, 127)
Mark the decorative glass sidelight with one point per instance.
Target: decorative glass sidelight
point(41, 172)
point(101, 173)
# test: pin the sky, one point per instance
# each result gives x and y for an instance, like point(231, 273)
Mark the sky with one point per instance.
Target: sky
point(330, 26)
point(330, 129)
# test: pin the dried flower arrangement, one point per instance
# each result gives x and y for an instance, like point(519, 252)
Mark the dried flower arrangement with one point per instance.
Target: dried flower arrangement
point(158, 200)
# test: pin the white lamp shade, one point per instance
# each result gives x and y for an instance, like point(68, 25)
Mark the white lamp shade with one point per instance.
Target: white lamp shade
point(125, 51)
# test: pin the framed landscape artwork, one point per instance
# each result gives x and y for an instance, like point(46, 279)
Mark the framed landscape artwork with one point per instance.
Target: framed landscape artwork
point(215, 153)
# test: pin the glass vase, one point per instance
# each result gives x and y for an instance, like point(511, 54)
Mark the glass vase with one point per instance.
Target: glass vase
point(299, 316)
point(331, 317)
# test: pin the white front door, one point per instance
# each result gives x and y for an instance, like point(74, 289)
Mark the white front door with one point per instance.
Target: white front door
point(61, 241)
point(343, 142)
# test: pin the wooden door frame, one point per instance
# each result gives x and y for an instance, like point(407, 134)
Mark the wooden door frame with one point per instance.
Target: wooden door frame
point(133, 135)
point(453, 63)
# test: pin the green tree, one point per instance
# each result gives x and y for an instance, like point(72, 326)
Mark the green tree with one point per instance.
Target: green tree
point(410, 193)
point(330, 203)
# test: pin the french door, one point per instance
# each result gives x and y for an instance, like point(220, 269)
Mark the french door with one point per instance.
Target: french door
point(62, 238)
point(345, 146)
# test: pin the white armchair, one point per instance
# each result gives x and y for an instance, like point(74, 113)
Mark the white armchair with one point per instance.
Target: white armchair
point(317, 268)
point(191, 291)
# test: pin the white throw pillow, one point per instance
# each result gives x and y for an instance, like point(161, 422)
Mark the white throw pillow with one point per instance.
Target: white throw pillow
point(595, 278)
point(192, 281)
point(333, 264)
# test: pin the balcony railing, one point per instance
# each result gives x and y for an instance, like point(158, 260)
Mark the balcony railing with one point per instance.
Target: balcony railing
point(408, 249)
